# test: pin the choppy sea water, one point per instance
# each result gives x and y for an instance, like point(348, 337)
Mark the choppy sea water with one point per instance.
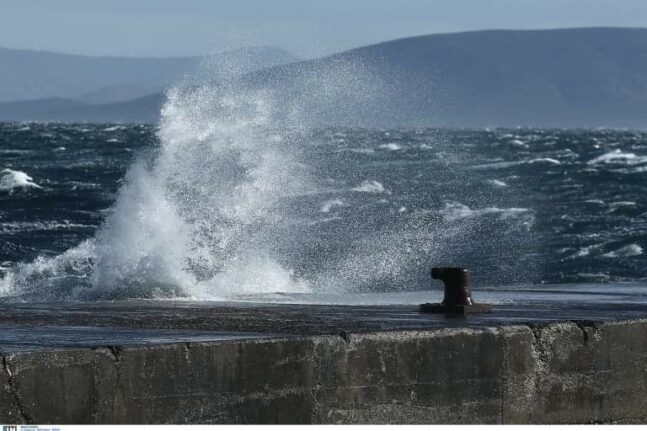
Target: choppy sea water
point(114, 211)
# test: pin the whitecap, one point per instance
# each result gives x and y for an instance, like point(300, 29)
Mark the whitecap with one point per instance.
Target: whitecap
point(615, 206)
point(11, 180)
point(371, 186)
point(544, 160)
point(14, 227)
point(391, 146)
point(113, 128)
point(586, 251)
point(498, 165)
point(618, 157)
point(622, 204)
point(455, 211)
point(503, 165)
point(55, 272)
point(626, 251)
point(330, 204)
point(497, 183)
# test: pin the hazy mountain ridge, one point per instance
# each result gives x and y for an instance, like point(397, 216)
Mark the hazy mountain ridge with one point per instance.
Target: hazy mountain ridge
point(590, 77)
point(32, 75)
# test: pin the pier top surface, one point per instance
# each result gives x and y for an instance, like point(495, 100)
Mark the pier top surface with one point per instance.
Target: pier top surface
point(36, 326)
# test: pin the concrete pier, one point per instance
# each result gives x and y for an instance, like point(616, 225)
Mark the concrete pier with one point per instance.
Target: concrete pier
point(182, 362)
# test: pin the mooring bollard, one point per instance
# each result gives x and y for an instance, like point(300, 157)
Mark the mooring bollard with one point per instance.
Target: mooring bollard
point(458, 295)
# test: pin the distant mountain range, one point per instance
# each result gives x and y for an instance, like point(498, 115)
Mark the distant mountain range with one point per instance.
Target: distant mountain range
point(589, 77)
point(31, 75)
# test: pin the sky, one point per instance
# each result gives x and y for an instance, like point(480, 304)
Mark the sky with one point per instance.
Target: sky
point(164, 28)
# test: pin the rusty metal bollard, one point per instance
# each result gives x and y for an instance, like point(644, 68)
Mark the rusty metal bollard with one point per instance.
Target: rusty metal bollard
point(458, 295)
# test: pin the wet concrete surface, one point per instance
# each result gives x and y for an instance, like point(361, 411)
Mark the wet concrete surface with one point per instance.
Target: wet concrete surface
point(544, 354)
point(130, 323)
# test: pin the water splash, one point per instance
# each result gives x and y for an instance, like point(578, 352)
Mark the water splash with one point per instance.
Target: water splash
point(207, 215)
point(201, 218)
point(11, 181)
point(196, 219)
point(227, 207)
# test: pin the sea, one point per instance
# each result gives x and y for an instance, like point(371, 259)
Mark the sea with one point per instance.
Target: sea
point(213, 206)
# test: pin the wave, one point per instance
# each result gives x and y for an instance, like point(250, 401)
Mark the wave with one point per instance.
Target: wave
point(497, 183)
point(50, 278)
point(174, 233)
point(630, 250)
point(453, 211)
point(548, 160)
point(16, 180)
point(587, 251)
point(15, 227)
point(208, 214)
point(391, 146)
point(330, 204)
point(618, 157)
point(504, 165)
point(370, 186)
point(114, 128)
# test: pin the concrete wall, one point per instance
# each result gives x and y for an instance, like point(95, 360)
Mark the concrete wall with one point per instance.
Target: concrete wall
point(558, 373)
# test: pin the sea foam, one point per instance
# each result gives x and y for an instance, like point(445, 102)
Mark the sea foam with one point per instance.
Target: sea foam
point(212, 234)
point(370, 186)
point(11, 180)
point(618, 157)
point(456, 211)
point(630, 250)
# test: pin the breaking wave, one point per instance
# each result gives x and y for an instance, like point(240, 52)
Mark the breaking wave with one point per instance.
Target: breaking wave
point(630, 250)
point(618, 157)
point(197, 219)
point(455, 211)
point(203, 216)
point(11, 181)
point(222, 207)
point(371, 186)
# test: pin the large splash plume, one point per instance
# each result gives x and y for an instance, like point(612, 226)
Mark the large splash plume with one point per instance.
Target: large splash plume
point(199, 219)
point(202, 215)
point(239, 200)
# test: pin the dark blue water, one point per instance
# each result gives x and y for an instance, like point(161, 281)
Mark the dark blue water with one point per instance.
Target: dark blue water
point(514, 206)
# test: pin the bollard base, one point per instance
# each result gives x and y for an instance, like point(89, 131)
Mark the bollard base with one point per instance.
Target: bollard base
point(454, 309)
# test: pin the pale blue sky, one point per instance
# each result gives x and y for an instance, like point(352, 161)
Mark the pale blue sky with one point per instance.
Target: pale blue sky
point(306, 27)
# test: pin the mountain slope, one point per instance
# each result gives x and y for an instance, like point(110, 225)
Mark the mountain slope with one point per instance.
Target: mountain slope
point(29, 75)
point(561, 78)
point(591, 77)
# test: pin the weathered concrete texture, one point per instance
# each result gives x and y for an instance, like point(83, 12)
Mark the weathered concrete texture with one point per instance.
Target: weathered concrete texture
point(9, 402)
point(549, 373)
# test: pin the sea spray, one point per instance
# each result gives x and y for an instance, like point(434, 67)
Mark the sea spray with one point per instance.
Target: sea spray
point(11, 181)
point(196, 220)
point(242, 198)
point(204, 217)
point(200, 220)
